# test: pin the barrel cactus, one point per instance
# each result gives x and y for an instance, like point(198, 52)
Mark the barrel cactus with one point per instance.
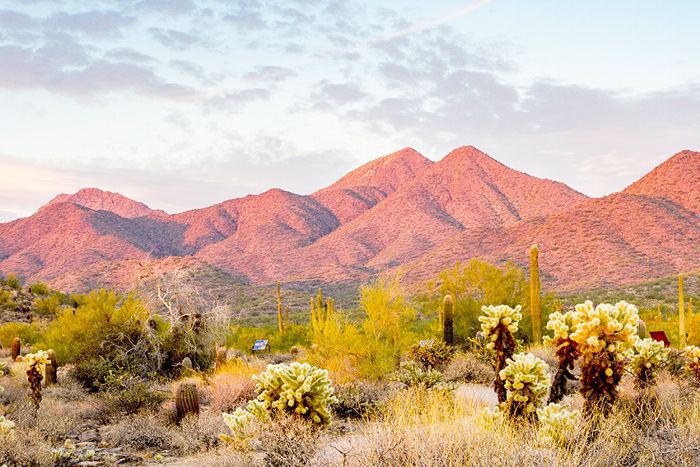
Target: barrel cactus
point(498, 324)
point(16, 348)
point(526, 379)
point(186, 401)
point(296, 389)
point(566, 350)
point(51, 369)
point(645, 359)
point(603, 335)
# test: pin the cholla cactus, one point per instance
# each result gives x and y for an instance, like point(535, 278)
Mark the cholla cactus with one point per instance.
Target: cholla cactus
point(557, 424)
point(692, 355)
point(645, 358)
point(603, 335)
point(34, 374)
point(566, 351)
point(498, 323)
point(526, 379)
point(297, 389)
point(7, 428)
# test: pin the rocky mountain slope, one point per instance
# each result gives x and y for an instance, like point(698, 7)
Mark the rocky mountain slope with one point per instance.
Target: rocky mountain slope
point(401, 211)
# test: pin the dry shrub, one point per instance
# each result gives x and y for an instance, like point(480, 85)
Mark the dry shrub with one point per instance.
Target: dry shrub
point(547, 354)
point(288, 442)
point(361, 399)
point(245, 366)
point(227, 391)
point(152, 433)
point(26, 448)
point(467, 368)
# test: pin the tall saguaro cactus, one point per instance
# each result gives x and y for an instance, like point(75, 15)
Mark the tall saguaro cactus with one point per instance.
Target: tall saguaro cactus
point(535, 306)
point(447, 319)
point(681, 312)
point(280, 323)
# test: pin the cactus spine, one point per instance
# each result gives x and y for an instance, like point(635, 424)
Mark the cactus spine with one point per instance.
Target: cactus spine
point(51, 369)
point(16, 348)
point(220, 357)
point(535, 307)
point(186, 401)
point(681, 312)
point(447, 318)
point(280, 323)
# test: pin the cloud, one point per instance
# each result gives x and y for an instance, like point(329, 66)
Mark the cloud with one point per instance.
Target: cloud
point(130, 55)
point(15, 20)
point(234, 101)
point(168, 7)
point(270, 73)
point(94, 24)
point(176, 40)
point(67, 71)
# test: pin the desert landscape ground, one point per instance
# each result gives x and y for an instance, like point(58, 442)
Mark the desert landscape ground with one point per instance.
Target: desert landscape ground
point(360, 233)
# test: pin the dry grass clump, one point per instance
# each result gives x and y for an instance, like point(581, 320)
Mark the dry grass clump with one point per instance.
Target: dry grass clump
point(288, 442)
point(361, 399)
point(227, 391)
point(25, 448)
point(153, 433)
point(545, 353)
point(467, 368)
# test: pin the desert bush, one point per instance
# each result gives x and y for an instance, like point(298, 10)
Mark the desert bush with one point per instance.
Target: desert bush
point(411, 375)
point(468, 368)
point(12, 281)
point(228, 391)
point(6, 300)
point(360, 399)
point(28, 333)
point(39, 288)
point(26, 448)
point(432, 355)
point(124, 394)
point(48, 305)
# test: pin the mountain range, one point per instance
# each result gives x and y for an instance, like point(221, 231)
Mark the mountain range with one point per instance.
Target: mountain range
point(399, 212)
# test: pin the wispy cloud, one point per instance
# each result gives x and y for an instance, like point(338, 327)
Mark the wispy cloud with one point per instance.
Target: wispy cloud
point(428, 24)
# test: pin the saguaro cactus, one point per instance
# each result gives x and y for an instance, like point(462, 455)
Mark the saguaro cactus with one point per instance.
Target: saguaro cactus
point(280, 323)
point(447, 320)
point(51, 369)
point(681, 312)
point(535, 307)
point(16, 348)
point(186, 401)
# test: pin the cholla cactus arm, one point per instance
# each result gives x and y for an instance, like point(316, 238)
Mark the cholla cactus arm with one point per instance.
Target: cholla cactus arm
point(7, 428)
point(527, 383)
point(34, 375)
point(645, 359)
point(498, 323)
point(603, 334)
point(692, 356)
point(557, 424)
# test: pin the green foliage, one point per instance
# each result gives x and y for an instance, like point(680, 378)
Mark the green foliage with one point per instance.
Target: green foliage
point(432, 355)
point(243, 337)
point(472, 286)
point(39, 288)
point(12, 281)
point(49, 305)
point(28, 333)
point(6, 300)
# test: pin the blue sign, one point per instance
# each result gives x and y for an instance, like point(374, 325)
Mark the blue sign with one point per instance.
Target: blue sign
point(428, 343)
point(260, 344)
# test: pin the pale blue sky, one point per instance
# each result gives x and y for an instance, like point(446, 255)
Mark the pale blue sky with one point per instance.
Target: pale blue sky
point(183, 103)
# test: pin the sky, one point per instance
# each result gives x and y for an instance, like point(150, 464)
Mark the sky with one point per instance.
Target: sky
point(184, 103)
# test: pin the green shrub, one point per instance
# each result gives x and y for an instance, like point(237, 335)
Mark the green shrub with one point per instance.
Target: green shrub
point(360, 399)
point(48, 306)
point(6, 300)
point(39, 288)
point(28, 333)
point(432, 355)
point(411, 375)
point(12, 281)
